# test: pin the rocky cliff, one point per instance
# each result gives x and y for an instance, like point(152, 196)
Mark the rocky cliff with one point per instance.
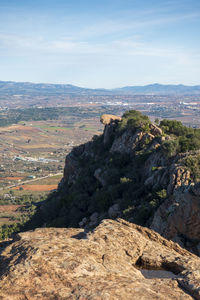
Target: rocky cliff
point(137, 170)
point(117, 260)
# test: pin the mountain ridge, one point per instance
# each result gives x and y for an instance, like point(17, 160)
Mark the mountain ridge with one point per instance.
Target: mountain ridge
point(14, 88)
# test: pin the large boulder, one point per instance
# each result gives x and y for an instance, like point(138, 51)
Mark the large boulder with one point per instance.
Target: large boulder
point(107, 119)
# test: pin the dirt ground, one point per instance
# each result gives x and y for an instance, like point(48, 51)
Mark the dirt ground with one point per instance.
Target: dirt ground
point(38, 188)
point(11, 178)
point(9, 208)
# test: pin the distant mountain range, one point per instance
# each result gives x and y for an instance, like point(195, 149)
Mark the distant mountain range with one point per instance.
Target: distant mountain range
point(44, 89)
point(160, 89)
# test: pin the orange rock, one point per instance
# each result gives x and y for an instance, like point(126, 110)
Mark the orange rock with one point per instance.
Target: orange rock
point(106, 119)
point(60, 263)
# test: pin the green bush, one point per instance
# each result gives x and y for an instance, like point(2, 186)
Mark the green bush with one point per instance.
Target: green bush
point(188, 143)
point(193, 164)
point(125, 180)
point(174, 127)
point(170, 148)
point(184, 138)
point(6, 231)
point(134, 119)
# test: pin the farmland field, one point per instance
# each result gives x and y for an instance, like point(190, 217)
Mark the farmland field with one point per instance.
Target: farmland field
point(35, 142)
point(9, 214)
point(32, 157)
point(37, 187)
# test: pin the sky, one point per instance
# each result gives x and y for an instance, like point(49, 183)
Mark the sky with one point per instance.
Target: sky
point(100, 43)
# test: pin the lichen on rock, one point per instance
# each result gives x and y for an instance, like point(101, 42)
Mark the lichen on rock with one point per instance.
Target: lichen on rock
point(107, 263)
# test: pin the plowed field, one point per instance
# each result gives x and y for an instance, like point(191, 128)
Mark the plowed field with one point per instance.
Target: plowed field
point(9, 208)
point(38, 188)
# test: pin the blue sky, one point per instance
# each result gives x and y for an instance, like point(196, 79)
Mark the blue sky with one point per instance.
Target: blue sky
point(107, 43)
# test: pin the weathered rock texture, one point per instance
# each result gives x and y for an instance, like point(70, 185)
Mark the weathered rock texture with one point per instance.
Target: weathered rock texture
point(178, 218)
point(149, 169)
point(72, 166)
point(107, 119)
point(51, 263)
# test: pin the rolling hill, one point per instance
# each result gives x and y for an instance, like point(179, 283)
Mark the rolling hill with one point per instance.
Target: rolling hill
point(40, 89)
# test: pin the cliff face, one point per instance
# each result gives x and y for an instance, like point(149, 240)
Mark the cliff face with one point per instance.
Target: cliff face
point(117, 260)
point(135, 170)
point(132, 171)
point(178, 218)
point(165, 189)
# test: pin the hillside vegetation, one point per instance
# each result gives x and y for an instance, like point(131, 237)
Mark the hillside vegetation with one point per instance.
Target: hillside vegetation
point(129, 171)
point(14, 116)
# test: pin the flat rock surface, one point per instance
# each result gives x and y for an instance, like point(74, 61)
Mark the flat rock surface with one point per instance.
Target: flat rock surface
point(118, 260)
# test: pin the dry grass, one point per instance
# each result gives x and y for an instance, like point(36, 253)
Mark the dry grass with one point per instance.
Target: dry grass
point(19, 127)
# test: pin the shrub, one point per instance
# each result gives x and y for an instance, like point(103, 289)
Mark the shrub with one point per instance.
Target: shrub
point(174, 127)
point(154, 169)
point(193, 164)
point(188, 143)
point(125, 180)
point(134, 119)
point(170, 148)
point(187, 139)
point(162, 194)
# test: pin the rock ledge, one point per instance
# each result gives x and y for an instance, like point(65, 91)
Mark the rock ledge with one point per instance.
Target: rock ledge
point(108, 263)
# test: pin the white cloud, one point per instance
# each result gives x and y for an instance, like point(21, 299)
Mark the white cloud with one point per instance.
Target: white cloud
point(125, 47)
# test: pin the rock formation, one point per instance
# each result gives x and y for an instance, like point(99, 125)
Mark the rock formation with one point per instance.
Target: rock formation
point(117, 260)
point(132, 171)
point(106, 119)
point(135, 167)
point(178, 218)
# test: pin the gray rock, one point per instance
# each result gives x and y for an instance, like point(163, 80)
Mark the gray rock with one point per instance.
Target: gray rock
point(98, 174)
point(94, 217)
point(113, 211)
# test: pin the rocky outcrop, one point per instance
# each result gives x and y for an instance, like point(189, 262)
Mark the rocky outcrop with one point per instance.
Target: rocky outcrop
point(155, 130)
point(163, 187)
point(107, 119)
point(100, 176)
point(118, 260)
point(154, 161)
point(178, 218)
point(71, 170)
point(72, 162)
point(132, 140)
point(114, 211)
point(110, 122)
point(108, 133)
point(158, 171)
point(127, 142)
point(179, 177)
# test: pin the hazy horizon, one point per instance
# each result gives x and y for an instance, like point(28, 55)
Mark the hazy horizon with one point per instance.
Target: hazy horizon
point(100, 44)
point(117, 87)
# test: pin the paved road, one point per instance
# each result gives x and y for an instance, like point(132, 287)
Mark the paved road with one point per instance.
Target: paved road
point(28, 181)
